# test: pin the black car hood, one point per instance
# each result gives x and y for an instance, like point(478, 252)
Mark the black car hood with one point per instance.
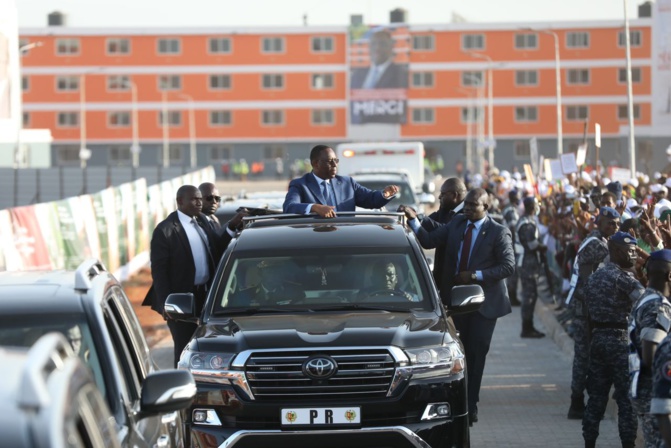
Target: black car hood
point(327, 329)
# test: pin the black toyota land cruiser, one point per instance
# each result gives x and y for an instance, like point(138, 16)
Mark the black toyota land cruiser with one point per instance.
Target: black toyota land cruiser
point(329, 333)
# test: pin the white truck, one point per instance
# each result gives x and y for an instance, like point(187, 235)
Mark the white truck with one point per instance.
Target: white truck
point(384, 156)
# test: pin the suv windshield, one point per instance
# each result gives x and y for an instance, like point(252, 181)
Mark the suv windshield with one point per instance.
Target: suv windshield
point(308, 280)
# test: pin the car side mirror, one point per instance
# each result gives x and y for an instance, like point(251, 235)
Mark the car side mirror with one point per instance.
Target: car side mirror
point(167, 391)
point(466, 299)
point(181, 306)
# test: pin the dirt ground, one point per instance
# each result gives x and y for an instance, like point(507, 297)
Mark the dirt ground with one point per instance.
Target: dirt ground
point(153, 325)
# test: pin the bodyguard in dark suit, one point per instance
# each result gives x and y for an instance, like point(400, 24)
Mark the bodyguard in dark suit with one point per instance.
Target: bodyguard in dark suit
point(478, 250)
point(211, 202)
point(184, 253)
point(323, 192)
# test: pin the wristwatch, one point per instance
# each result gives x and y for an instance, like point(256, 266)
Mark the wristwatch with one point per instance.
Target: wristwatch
point(474, 277)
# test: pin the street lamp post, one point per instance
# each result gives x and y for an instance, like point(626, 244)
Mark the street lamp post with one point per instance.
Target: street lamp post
point(469, 119)
point(478, 83)
point(135, 146)
point(490, 106)
point(192, 130)
point(630, 95)
point(166, 137)
point(19, 157)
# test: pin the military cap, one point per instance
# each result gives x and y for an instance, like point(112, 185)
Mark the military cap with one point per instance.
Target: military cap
point(623, 238)
point(608, 212)
point(661, 255)
point(615, 188)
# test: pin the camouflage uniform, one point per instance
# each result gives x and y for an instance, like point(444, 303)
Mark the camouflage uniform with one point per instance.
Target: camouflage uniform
point(609, 294)
point(650, 320)
point(510, 218)
point(660, 404)
point(594, 253)
point(528, 263)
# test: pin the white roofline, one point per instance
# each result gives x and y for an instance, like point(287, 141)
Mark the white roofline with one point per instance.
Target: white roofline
point(335, 29)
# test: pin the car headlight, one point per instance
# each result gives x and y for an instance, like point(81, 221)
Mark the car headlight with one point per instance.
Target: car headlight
point(207, 367)
point(439, 360)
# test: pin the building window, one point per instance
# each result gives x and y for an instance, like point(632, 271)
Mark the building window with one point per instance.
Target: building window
point(118, 82)
point(526, 41)
point(635, 38)
point(526, 113)
point(635, 75)
point(471, 79)
point(117, 45)
point(470, 114)
point(67, 83)
point(273, 81)
point(25, 83)
point(473, 41)
point(220, 152)
point(67, 156)
point(423, 42)
point(174, 118)
point(422, 79)
point(578, 39)
point(220, 82)
point(272, 45)
point(169, 82)
point(272, 117)
point(623, 112)
point(577, 76)
point(323, 117)
point(522, 149)
point(119, 155)
point(219, 45)
point(118, 119)
point(423, 115)
point(322, 44)
point(577, 113)
point(169, 46)
point(322, 81)
point(526, 77)
point(68, 119)
point(176, 154)
point(67, 47)
point(25, 119)
point(220, 118)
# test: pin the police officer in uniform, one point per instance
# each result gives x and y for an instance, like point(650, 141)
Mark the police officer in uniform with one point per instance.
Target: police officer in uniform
point(592, 252)
point(660, 405)
point(649, 324)
point(510, 218)
point(528, 250)
point(609, 295)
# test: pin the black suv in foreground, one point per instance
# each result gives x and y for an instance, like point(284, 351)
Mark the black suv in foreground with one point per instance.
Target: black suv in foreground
point(91, 310)
point(328, 333)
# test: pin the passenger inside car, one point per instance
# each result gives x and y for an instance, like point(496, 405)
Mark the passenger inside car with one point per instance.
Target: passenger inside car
point(384, 283)
point(274, 287)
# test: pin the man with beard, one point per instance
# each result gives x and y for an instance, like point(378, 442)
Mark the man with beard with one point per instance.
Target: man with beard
point(612, 290)
point(324, 192)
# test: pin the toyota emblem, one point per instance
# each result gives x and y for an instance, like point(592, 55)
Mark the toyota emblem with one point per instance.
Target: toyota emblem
point(320, 368)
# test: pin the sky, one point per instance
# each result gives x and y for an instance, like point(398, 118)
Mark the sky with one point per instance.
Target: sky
point(242, 13)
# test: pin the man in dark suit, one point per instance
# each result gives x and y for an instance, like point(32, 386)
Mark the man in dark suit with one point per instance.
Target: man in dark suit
point(211, 202)
point(478, 250)
point(184, 254)
point(382, 73)
point(325, 193)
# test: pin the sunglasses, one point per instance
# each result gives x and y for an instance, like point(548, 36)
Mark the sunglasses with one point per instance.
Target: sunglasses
point(212, 198)
point(330, 161)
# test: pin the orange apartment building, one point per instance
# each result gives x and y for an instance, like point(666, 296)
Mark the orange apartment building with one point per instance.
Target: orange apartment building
point(263, 93)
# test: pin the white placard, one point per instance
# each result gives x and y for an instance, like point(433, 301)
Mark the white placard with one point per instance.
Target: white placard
point(553, 170)
point(533, 152)
point(568, 163)
point(597, 135)
point(581, 154)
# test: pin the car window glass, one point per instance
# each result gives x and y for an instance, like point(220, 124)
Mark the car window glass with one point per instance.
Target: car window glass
point(311, 279)
point(124, 314)
point(20, 331)
point(122, 354)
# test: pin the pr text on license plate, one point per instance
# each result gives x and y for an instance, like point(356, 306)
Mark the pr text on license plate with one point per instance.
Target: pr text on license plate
point(321, 416)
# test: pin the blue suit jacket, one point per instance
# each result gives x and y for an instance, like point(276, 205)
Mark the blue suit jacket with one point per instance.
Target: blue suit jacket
point(305, 190)
point(492, 254)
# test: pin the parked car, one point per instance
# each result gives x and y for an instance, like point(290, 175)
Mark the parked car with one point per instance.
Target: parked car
point(90, 309)
point(48, 399)
point(308, 338)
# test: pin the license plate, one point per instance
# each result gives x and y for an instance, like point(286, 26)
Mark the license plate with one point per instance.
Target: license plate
point(321, 416)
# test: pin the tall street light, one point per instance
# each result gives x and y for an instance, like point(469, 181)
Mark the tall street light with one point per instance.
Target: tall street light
point(165, 121)
point(19, 157)
point(478, 83)
point(192, 129)
point(84, 152)
point(560, 137)
point(630, 96)
point(135, 147)
point(469, 119)
point(490, 105)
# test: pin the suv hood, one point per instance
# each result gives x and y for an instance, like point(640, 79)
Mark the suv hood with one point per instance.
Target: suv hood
point(332, 329)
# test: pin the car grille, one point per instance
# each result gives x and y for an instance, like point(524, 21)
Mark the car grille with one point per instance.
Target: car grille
point(279, 374)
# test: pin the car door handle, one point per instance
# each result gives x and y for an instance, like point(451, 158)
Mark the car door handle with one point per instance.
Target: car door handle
point(162, 442)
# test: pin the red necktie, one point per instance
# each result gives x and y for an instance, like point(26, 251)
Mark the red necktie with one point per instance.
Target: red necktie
point(466, 248)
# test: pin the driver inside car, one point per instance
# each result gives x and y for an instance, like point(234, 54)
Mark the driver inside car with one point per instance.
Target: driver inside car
point(273, 289)
point(384, 283)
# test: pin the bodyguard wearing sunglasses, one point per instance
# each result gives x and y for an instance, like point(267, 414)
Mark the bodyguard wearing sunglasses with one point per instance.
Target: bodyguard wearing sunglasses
point(325, 193)
point(211, 202)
